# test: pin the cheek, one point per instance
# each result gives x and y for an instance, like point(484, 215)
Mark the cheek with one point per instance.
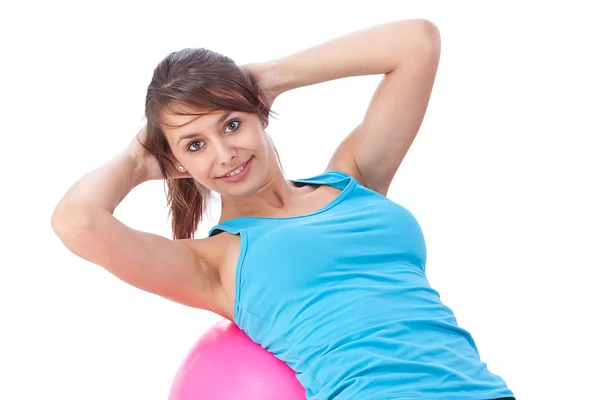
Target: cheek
point(199, 167)
point(204, 169)
point(262, 142)
point(253, 141)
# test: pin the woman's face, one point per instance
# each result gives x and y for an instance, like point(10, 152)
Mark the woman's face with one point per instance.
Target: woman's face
point(215, 144)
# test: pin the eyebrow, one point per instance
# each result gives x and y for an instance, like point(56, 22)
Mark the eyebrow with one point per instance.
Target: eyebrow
point(221, 119)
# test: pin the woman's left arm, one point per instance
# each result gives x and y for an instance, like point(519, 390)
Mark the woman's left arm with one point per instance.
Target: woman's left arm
point(407, 52)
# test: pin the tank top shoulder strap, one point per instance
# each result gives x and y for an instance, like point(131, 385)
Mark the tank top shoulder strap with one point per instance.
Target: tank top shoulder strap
point(232, 226)
point(334, 178)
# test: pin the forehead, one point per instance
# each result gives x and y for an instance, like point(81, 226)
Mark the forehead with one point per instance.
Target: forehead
point(174, 119)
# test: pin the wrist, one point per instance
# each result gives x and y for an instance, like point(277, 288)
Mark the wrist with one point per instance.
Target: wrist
point(275, 78)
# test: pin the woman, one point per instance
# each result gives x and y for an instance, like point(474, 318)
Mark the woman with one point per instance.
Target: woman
point(325, 272)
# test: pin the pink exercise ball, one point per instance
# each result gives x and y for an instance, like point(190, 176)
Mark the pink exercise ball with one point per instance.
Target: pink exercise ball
point(225, 364)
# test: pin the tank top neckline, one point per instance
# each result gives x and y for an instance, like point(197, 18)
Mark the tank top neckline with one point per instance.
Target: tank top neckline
point(310, 181)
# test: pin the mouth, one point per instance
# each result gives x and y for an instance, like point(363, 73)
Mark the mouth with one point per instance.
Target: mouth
point(237, 170)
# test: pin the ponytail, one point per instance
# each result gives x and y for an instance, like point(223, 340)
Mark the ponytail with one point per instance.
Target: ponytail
point(187, 200)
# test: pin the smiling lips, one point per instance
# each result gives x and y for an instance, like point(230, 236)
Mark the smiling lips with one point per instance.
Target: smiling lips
point(237, 172)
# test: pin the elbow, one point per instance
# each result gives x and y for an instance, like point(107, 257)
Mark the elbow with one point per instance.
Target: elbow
point(428, 37)
point(68, 222)
point(420, 38)
point(59, 219)
point(427, 29)
point(76, 228)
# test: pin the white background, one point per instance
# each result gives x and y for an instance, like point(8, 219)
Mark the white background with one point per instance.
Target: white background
point(503, 178)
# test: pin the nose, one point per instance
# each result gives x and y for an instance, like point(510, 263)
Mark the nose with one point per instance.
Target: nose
point(225, 154)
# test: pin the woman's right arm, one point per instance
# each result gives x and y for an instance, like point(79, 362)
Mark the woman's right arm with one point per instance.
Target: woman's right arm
point(84, 222)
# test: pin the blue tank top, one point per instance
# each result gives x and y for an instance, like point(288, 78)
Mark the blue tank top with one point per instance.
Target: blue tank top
point(341, 296)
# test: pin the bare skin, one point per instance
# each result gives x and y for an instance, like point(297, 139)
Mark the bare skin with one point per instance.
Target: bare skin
point(201, 272)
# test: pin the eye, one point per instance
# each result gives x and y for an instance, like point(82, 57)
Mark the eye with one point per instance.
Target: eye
point(195, 146)
point(233, 123)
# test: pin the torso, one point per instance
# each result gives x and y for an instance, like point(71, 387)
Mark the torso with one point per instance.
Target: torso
point(222, 253)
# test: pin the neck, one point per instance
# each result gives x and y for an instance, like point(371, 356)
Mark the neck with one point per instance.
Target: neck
point(275, 196)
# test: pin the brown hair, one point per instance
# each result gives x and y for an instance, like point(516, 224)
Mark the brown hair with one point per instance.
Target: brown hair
point(195, 79)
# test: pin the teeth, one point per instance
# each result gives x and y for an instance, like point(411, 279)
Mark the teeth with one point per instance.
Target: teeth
point(237, 171)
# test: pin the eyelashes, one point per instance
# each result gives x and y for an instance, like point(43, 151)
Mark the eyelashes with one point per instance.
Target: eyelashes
point(236, 121)
point(193, 144)
point(197, 145)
